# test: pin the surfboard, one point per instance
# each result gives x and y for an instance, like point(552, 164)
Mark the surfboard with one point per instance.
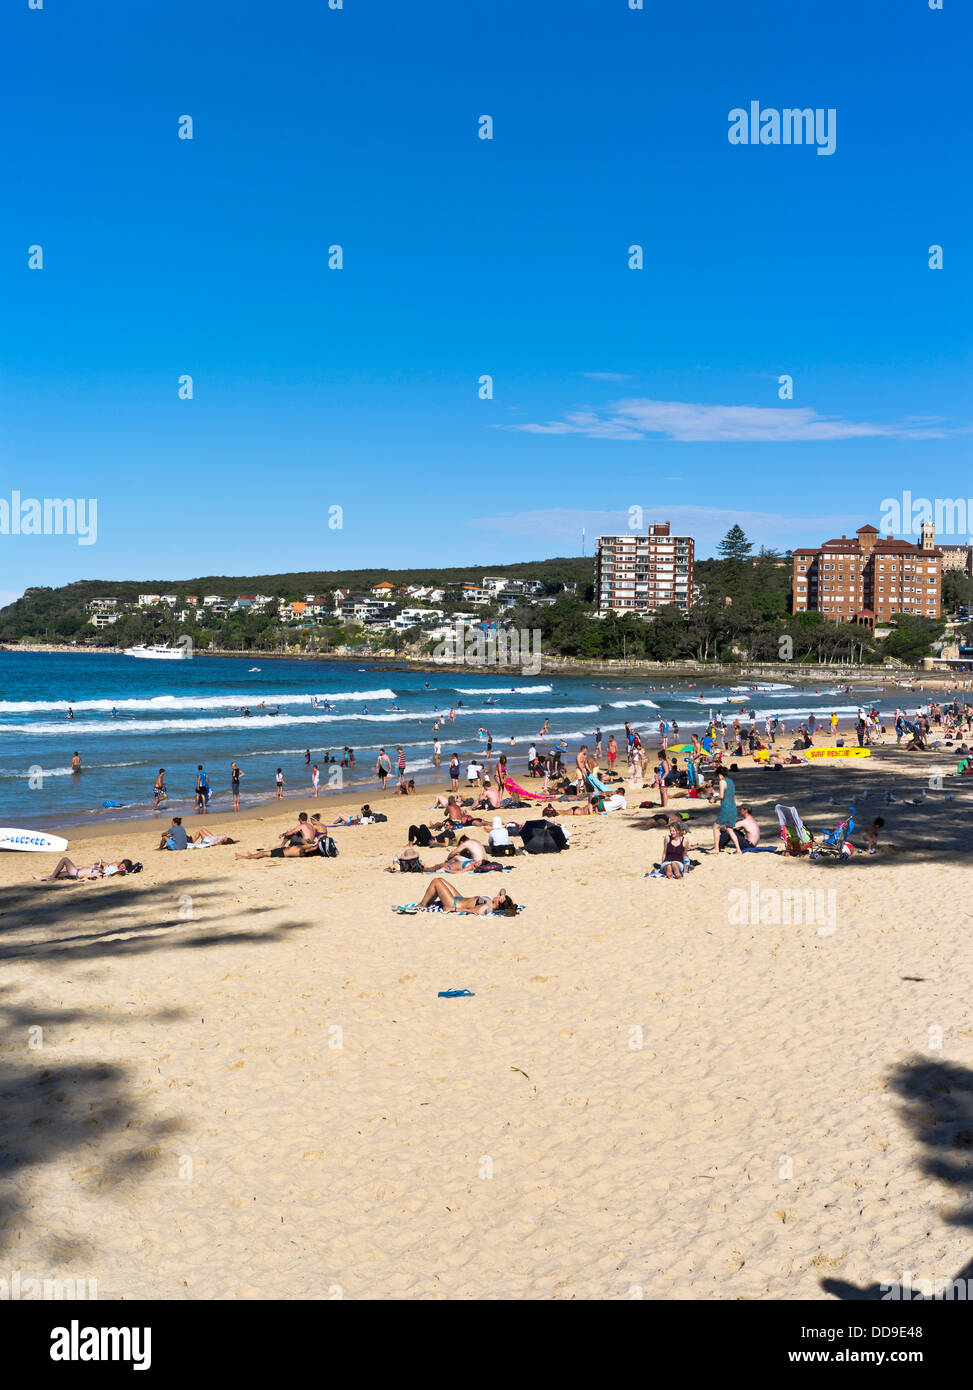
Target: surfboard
point(31, 839)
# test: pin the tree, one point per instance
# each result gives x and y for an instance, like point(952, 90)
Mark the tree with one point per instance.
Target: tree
point(912, 637)
point(734, 545)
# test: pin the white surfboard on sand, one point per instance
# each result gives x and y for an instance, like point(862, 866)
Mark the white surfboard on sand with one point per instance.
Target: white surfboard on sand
point(31, 839)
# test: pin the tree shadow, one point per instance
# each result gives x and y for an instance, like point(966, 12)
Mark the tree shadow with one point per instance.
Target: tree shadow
point(938, 1107)
point(74, 1113)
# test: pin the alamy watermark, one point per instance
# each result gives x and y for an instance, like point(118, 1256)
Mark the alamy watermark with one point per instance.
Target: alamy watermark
point(903, 516)
point(50, 516)
point(23, 1288)
point(787, 126)
point(473, 647)
point(775, 907)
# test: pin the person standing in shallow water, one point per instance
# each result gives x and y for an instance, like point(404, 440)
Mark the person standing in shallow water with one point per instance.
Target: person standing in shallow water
point(235, 775)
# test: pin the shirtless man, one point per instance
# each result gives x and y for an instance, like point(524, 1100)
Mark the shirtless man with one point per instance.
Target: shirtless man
point(749, 826)
point(584, 765)
point(462, 858)
point(300, 834)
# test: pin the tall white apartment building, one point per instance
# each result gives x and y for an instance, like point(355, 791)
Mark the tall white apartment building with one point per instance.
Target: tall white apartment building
point(638, 574)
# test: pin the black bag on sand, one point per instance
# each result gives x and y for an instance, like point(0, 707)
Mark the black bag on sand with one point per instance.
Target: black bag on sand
point(327, 847)
point(543, 837)
point(503, 851)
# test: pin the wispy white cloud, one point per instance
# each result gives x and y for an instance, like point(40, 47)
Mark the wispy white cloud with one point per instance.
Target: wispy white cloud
point(685, 422)
point(561, 526)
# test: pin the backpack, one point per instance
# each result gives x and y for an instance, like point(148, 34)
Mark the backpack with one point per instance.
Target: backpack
point(327, 847)
point(378, 816)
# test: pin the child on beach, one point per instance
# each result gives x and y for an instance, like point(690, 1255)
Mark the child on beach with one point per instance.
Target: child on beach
point(871, 834)
point(279, 779)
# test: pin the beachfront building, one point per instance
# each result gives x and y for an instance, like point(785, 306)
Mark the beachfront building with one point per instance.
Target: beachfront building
point(103, 617)
point(639, 574)
point(868, 578)
point(958, 557)
point(497, 585)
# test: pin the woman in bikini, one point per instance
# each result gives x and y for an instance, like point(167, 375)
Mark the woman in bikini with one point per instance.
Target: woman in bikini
point(449, 897)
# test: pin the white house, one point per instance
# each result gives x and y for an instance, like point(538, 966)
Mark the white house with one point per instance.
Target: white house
point(149, 600)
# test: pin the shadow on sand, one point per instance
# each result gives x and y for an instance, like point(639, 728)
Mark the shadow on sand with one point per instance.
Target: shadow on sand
point(66, 1112)
point(937, 1105)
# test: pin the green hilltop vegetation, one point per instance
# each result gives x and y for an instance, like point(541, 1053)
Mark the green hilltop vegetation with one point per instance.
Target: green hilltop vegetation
point(741, 612)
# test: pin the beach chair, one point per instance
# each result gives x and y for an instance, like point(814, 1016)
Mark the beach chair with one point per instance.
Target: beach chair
point(796, 839)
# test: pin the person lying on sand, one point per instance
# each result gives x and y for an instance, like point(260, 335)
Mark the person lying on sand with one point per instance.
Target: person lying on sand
point(66, 868)
point(201, 841)
point(301, 851)
point(444, 893)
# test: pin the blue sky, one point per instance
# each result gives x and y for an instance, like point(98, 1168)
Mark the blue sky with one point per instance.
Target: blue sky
point(613, 388)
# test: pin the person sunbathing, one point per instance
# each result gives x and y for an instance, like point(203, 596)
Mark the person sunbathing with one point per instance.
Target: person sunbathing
point(202, 841)
point(489, 796)
point(66, 868)
point(449, 898)
point(299, 851)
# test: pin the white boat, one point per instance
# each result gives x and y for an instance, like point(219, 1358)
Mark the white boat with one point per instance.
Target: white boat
point(159, 652)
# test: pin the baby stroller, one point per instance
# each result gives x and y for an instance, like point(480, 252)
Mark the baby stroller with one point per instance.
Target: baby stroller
point(835, 843)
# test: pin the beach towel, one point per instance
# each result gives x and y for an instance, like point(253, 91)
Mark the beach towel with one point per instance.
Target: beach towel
point(438, 907)
point(512, 786)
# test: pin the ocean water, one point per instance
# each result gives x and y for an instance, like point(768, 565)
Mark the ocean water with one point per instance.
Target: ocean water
point(177, 714)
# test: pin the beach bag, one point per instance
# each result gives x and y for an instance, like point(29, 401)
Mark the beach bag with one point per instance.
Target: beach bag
point(378, 816)
point(327, 847)
point(503, 851)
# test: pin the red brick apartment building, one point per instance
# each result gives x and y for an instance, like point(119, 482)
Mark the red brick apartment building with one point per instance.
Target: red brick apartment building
point(638, 574)
point(868, 578)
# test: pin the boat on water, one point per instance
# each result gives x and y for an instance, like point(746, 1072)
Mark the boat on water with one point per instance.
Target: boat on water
point(158, 652)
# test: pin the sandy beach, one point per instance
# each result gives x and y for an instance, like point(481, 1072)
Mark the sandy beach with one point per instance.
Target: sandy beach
point(226, 1079)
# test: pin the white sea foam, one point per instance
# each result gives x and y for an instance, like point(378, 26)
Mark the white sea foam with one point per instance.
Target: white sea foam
point(503, 689)
point(630, 704)
point(160, 703)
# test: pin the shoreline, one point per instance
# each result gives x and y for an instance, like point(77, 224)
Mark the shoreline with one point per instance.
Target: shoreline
point(900, 677)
